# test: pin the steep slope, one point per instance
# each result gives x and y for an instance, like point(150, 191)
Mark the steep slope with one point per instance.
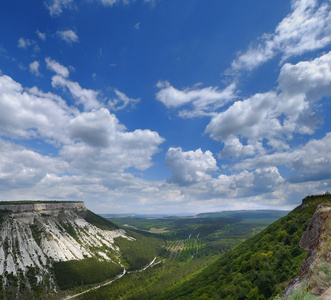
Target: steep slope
point(315, 272)
point(258, 268)
point(37, 238)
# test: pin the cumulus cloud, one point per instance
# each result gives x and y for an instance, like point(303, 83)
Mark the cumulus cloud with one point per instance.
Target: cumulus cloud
point(97, 128)
point(305, 29)
point(69, 36)
point(249, 118)
point(128, 149)
point(34, 68)
point(191, 166)
point(203, 101)
point(88, 142)
point(275, 117)
point(21, 168)
point(29, 113)
point(234, 148)
point(310, 162)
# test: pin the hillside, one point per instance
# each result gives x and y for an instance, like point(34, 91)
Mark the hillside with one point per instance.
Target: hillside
point(260, 267)
point(315, 272)
point(191, 243)
point(53, 246)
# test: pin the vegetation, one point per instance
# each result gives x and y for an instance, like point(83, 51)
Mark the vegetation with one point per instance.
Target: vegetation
point(36, 233)
point(75, 273)
point(3, 214)
point(189, 245)
point(141, 251)
point(215, 226)
point(150, 283)
point(97, 221)
point(259, 267)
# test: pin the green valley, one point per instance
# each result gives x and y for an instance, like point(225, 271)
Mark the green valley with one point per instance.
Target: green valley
point(220, 256)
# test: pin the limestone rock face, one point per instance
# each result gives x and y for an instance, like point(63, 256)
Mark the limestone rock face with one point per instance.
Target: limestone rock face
point(315, 271)
point(42, 206)
point(34, 236)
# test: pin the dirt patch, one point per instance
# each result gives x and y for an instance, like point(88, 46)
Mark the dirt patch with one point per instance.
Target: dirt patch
point(158, 230)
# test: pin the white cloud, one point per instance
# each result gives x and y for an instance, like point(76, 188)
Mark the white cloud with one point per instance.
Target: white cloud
point(93, 149)
point(311, 162)
point(137, 26)
point(275, 117)
point(191, 166)
point(97, 128)
point(122, 101)
point(56, 67)
point(306, 28)
point(34, 68)
point(21, 168)
point(68, 36)
point(91, 142)
point(29, 113)
point(112, 2)
point(56, 7)
point(312, 78)
point(41, 35)
point(204, 101)
point(250, 118)
point(126, 150)
point(235, 149)
point(25, 43)
point(85, 97)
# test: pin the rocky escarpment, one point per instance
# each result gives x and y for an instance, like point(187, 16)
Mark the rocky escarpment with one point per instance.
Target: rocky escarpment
point(41, 206)
point(35, 236)
point(315, 272)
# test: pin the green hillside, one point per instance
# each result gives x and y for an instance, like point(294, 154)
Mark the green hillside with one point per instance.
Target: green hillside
point(260, 267)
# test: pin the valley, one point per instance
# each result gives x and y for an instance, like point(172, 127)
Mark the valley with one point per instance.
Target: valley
point(65, 251)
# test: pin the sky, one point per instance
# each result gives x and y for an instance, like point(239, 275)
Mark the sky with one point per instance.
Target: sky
point(165, 106)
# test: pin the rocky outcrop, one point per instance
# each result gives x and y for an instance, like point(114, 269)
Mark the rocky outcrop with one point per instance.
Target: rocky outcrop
point(315, 271)
point(42, 206)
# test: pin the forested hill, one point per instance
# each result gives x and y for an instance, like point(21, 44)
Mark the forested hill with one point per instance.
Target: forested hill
point(259, 268)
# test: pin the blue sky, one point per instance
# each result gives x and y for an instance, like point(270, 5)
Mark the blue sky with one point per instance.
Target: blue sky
point(164, 106)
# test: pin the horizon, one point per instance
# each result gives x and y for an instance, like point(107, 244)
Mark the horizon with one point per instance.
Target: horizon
point(185, 215)
point(177, 106)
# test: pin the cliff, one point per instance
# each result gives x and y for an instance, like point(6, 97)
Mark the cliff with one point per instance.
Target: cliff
point(40, 206)
point(34, 237)
point(315, 271)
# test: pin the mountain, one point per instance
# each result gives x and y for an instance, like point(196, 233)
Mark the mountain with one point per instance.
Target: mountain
point(48, 247)
point(262, 266)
